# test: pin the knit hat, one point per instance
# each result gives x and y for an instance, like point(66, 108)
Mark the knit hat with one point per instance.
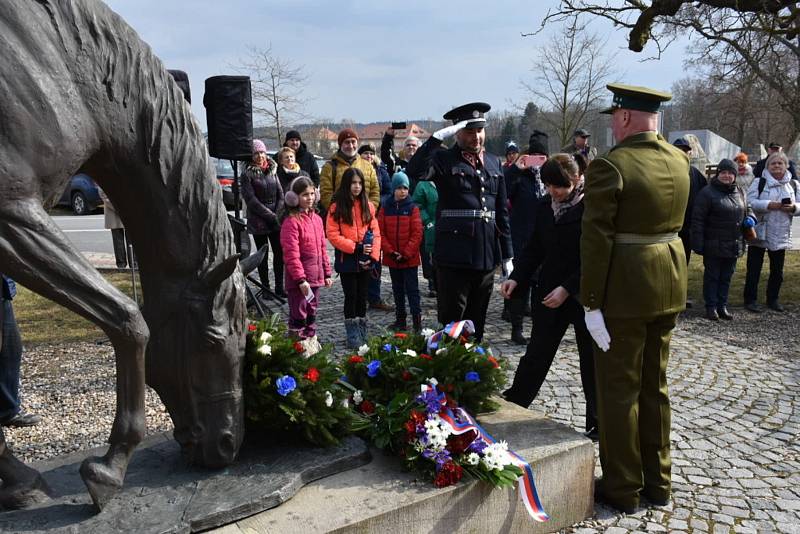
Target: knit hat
point(683, 144)
point(741, 157)
point(259, 146)
point(369, 147)
point(511, 146)
point(726, 165)
point(537, 144)
point(400, 179)
point(347, 133)
point(292, 134)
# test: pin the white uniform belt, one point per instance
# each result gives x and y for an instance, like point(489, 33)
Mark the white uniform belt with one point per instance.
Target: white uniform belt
point(472, 214)
point(644, 239)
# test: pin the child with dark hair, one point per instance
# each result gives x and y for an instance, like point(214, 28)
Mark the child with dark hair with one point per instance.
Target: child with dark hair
point(401, 232)
point(354, 233)
point(306, 259)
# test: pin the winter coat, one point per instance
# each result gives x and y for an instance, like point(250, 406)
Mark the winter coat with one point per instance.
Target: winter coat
point(761, 166)
point(393, 161)
point(556, 246)
point(304, 251)
point(286, 177)
point(263, 195)
point(347, 239)
point(307, 162)
point(385, 182)
point(744, 180)
point(697, 181)
point(719, 211)
point(524, 192)
point(426, 197)
point(571, 148)
point(401, 231)
point(329, 181)
point(774, 228)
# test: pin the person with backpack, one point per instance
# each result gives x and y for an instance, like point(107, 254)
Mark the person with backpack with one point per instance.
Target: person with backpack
point(401, 236)
point(353, 231)
point(330, 177)
point(774, 199)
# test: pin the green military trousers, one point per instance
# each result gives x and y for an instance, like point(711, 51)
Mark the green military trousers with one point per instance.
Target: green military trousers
point(633, 409)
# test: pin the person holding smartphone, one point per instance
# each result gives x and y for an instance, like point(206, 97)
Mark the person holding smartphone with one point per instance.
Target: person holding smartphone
point(398, 162)
point(774, 198)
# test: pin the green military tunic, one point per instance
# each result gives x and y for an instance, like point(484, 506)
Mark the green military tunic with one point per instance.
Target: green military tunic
point(634, 270)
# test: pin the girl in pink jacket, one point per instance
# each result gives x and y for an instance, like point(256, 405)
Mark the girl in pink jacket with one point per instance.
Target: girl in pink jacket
point(306, 260)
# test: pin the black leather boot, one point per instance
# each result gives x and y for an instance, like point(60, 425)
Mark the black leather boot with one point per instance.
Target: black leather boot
point(399, 323)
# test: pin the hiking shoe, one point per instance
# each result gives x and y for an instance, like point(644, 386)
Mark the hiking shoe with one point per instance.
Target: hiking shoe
point(752, 307)
point(22, 419)
point(776, 306)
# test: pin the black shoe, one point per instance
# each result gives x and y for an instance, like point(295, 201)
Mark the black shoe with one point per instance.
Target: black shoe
point(752, 307)
point(711, 314)
point(724, 313)
point(601, 497)
point(593, 434)
point(416, 321)
point(776, 306)
point(655, 501)
point(22, 419)
point(517, 337)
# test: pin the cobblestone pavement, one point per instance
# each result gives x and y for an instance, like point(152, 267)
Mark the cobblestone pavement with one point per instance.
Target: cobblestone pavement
point(736, 419)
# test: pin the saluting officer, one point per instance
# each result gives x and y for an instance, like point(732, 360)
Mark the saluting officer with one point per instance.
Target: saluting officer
point(472, 228)
point(633, 286)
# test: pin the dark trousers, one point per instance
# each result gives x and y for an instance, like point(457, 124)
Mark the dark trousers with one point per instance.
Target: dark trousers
point(405, 283)
point(428, 270)
point(755, 260)
point(464, 294)
point(354, 286)
point(717, 276)
point(633, 408)
point(274, 241)
point(522, 296)
point(549, 327)
point(10, 360)
point(374, 288)
point(120, 247)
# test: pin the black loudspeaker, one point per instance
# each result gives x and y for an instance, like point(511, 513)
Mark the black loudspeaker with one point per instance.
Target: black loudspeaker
point(229, 114)
point(182, 79)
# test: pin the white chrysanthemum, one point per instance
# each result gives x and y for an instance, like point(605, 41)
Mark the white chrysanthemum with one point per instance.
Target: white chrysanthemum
point(441, 351)
point(411, 353)
point(358, 396)
point(423, 387)
point(363, 349)
point(266, 350)
point(328, 399)
point(432, 425)
point(345, 403)
point(432, 381)
point(427, 332)
point(496, 456)
point(469, 345)
point(473, 458)
point(265, 336)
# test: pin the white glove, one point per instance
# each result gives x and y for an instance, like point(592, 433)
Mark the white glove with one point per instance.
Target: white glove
point(450, 131)
point(508, 267)
point(597, 328)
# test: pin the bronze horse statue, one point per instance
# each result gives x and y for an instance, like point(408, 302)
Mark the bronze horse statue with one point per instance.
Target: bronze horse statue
point(80, 91)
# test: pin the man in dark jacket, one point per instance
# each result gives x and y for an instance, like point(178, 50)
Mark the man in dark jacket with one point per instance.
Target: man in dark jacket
point(303, 157)
point(10, 361)
point(472, 227)
point(697, 181)
point(398, 162)
point(771, 149)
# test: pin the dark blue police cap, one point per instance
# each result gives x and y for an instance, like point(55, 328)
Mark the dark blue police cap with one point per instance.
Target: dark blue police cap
point(473, 111)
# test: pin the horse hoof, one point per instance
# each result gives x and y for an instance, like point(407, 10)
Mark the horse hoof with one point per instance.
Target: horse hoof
point(24, 494)
point(102, 481)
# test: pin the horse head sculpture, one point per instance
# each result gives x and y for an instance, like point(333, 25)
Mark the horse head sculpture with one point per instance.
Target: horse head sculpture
point(80, 91)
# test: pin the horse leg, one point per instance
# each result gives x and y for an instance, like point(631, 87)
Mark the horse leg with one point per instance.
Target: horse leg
point(34, 251)
point(22, 486)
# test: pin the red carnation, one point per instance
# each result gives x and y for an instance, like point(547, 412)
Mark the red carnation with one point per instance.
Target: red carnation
point(494, 362)
point(458, 444)
point(312, 374)
point(426, 356)
point(417, 417)
point(356, 359)
point(367, 407)
point(400, 335)
point(449, 474)
point(407, 376)
point(251, 328)
point(298, 347)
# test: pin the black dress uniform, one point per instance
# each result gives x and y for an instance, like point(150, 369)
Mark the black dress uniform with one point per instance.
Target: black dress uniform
point(472, 228)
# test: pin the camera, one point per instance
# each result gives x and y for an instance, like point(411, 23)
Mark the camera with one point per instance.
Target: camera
point(399, 126)
point(786, 201)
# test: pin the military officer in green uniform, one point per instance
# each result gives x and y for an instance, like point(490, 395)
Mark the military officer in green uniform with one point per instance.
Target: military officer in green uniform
point(633, 286)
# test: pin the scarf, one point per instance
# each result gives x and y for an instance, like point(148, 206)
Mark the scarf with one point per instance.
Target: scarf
point(785, 180)
point(294, 168)
point(574, 198)
point(347, 159)
point(472, 158)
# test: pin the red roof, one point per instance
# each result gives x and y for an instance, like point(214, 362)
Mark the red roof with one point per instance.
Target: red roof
point(376, 131)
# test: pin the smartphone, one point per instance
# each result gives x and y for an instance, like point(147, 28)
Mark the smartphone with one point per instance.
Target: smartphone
point(786, 200)
point(532, 160)
point(399, 126)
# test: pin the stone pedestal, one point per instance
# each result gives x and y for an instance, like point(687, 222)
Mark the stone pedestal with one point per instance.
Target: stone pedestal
point(381, 497)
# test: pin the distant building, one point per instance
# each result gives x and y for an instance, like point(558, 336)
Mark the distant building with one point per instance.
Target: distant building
point(373, 133)
point(321, 141)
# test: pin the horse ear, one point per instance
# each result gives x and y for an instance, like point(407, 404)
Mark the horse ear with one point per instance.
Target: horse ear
point(214, 275)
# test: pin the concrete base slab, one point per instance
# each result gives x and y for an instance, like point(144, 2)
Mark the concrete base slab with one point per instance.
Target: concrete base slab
point(162, 494)
point(381, 497)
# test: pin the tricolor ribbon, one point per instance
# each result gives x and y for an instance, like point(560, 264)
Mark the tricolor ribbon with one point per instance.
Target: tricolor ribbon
point(461, 422)
point(453, 330)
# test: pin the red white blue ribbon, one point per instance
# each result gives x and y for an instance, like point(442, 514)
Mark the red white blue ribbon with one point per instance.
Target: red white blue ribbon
point(453, 330)
point(525, 483)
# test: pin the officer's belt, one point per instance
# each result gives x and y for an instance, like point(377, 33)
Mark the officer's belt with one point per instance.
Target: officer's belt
point(644, 239)
point(471, 214)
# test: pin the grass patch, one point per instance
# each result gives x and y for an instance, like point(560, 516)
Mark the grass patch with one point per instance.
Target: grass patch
point(790, 290)
point(43, 321)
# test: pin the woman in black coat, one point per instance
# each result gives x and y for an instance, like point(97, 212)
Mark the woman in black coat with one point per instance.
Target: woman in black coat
point(555, 246)
point(717, 218)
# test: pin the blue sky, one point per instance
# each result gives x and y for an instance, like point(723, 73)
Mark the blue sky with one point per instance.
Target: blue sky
point(372, 61)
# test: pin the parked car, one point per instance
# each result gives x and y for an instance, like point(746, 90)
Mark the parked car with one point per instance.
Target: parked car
point(225, 178)
point(81, 194)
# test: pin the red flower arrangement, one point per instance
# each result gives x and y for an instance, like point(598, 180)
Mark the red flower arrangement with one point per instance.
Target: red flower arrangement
point(356, 359)
point(449, 474)
point(367, 407)
point(298, 347)
point(312, 374)
point(251, 327)
point(400, 335)
point(494, 362)
point(426, 356)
